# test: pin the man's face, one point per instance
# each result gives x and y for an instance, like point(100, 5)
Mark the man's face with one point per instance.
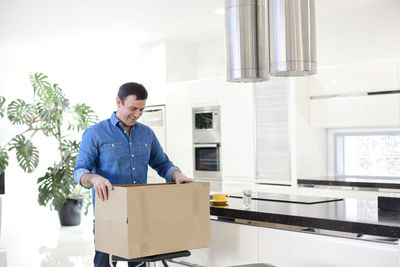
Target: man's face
point(130, 111)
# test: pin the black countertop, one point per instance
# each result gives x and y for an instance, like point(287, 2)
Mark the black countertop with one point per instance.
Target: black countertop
point(391, 183)
point(348, 215)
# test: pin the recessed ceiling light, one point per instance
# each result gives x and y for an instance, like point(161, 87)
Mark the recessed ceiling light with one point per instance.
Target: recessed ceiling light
point(220, 11)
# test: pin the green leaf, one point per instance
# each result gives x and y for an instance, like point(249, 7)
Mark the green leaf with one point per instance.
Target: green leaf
point(19, 112)
point(48, 118)
point(41, 87)
point(27, 153)
point(3, 160)
point(82, 117)
point(54, 187)
point(2, 106)
point(51, 95)
point(59, 98)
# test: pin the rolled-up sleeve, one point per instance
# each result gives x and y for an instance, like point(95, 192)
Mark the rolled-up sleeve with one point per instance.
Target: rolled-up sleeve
point(88, 155)
point(160, 162)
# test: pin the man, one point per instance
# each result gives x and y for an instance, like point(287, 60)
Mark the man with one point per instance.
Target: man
point(118, 151)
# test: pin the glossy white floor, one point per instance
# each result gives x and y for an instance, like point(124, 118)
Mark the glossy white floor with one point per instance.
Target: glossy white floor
point(34, 237)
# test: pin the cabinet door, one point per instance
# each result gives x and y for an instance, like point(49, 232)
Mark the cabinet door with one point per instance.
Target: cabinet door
point(361, 111)
point(370, 76)
point(231, 244)
point(272, 131)
point(179, 126)
point(288, 248)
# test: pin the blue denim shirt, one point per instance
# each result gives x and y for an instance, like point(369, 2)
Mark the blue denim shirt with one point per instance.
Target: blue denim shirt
point(109, 151)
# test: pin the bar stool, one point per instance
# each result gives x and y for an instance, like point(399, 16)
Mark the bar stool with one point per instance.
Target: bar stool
point(254, 265)
point(160, 257)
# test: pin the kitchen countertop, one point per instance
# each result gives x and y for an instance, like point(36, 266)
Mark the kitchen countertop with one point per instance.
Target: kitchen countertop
point(391, 183)
point(346, 215)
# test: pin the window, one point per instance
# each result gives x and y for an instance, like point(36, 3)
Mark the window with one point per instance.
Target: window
point(367, 153)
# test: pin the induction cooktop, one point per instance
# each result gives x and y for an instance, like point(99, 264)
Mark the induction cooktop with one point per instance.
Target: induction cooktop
point(289, 198)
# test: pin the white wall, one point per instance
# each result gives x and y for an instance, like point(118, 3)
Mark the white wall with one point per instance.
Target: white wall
point(357, 30)
point(211, 58)
point(152, 66)
point(182, 61)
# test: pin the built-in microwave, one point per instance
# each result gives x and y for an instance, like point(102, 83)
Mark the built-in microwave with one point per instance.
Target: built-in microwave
point(207, 160)
point(206, 125)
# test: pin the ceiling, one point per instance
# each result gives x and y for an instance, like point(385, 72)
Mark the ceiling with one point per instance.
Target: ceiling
point(142, 21)
point(189, 20)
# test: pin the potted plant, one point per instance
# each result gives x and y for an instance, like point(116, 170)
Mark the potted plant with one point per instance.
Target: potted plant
point(52, 115)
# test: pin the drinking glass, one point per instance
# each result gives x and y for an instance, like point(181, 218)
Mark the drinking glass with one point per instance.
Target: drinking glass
point(247, 194)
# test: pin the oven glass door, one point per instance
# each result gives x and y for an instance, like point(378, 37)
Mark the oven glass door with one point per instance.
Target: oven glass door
point(203, 120)
point(207, 158)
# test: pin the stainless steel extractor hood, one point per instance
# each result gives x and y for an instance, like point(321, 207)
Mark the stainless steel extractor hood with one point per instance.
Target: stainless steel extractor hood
point(292, 37)
point(269, 36)
point(246, 41)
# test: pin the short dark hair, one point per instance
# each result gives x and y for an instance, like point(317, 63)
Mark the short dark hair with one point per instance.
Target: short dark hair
point(128, 89)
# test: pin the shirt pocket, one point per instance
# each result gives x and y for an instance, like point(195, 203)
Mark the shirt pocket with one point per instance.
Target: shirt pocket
point(144, 151)
point(113, 154)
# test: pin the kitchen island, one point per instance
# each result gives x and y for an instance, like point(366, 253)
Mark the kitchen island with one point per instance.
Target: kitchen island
point(315, 232)
point(360, 217)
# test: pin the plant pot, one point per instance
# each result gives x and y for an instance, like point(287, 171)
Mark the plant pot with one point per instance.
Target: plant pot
point(71, 212)
point(2, 188)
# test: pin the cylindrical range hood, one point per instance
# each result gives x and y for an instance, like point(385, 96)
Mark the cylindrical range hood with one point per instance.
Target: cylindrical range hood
point(292, 37)
point(247, 49)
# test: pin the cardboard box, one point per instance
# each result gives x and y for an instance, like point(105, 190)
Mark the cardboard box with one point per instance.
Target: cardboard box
point(144, 220)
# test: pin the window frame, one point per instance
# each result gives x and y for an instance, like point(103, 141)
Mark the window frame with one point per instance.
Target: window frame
point(336, 146)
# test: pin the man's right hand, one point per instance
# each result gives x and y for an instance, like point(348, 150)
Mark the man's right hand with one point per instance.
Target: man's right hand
point(101, 185)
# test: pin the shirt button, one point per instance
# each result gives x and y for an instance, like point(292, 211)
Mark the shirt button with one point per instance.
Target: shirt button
point(130, 143)
point(133, 168)
point(112, 144)
point(134, 182)
point(133, 155)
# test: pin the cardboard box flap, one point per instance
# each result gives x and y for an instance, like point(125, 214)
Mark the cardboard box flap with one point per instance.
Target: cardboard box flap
point(153, 203)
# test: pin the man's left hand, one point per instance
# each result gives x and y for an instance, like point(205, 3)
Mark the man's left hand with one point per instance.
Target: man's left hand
point(179, 178)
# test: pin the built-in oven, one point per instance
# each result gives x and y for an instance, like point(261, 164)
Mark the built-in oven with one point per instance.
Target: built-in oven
point(207, 160)
point(206, 125)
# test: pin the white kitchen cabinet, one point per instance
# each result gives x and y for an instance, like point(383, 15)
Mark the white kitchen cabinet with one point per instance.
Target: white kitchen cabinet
point(237, 123)
point(371, 76)
point(179, 126)
point(272, 131)
point(360, 111)
point(237, 132)
point(234, 244)
point(289, 248)
point(231, 244)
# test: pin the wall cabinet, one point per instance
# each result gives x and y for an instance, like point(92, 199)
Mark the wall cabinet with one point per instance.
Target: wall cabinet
point(339, 95)
point(362, 111)
point(371, 76)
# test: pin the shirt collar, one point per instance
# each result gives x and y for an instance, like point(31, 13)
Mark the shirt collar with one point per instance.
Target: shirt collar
point(114, 118)
point(115, 121)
